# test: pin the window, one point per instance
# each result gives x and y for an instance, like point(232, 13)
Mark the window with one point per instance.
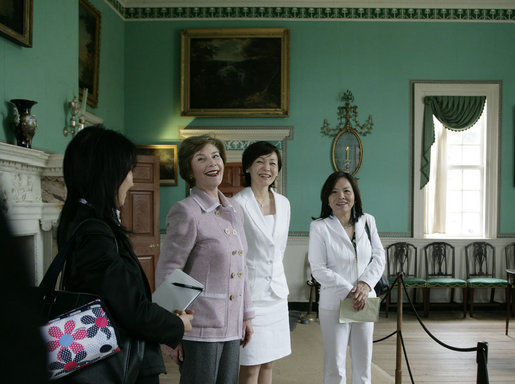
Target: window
point(454, 196)
point(472, 168)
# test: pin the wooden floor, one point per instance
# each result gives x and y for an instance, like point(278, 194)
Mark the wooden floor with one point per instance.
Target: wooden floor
point(432, 363)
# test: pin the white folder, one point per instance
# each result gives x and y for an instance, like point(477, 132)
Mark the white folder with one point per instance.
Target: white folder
point(368, 314)
point(178, 291)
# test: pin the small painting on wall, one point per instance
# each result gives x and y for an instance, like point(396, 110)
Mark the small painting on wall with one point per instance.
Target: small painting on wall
point(16, 21)
point(235, 72)
point(167, 154)
point(89, 51)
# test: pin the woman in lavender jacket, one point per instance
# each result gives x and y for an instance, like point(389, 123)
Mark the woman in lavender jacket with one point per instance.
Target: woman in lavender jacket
point(205, 238)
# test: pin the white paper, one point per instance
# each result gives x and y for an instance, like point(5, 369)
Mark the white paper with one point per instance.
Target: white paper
point(172, 297)
point(368, 314)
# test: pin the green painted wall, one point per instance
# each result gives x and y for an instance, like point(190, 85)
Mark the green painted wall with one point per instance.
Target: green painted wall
point(375, 60)
point(140, 80)
point(48, 72)
point(111, 99)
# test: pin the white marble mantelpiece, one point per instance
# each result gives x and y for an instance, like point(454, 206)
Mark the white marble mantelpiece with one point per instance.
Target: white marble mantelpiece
point(32, 194)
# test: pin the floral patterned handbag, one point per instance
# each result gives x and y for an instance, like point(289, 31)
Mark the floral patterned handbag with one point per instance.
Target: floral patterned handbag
point(79, 338)
point(76, 326)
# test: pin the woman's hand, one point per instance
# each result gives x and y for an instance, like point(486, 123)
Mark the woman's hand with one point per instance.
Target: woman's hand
point(247, 333)
point(359, 294)
point(186, 317)
point(175, 354)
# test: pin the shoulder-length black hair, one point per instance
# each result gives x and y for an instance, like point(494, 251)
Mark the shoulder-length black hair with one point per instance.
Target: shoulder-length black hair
point(327, 188)
point(96, 162)
point(255, 150)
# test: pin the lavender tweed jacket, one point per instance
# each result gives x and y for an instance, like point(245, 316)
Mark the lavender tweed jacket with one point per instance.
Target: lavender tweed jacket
point(207, 241)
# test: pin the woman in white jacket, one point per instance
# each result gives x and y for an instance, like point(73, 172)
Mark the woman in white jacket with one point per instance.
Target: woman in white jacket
point(267, 220)
point(346, 264)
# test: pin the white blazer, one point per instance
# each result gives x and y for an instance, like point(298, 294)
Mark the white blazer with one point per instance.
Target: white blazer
point(266, 248)
point(334, 263)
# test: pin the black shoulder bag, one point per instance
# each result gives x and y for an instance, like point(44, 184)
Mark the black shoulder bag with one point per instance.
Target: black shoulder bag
point(382, 287)
point(121, 367)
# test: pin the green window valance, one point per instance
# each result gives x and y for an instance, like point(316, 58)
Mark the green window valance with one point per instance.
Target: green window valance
point(457, 113)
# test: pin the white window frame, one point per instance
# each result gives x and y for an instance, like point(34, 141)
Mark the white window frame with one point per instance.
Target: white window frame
point(492, 91)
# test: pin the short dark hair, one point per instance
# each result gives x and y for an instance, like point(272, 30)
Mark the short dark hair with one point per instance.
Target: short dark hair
point(255, 150)
point(189, 147)
point(327, 188)
point(96, 162)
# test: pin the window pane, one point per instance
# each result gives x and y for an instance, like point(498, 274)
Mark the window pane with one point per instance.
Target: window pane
point(454, 201)
point(471, 155)
point(471, 224)
point(472, 179)
point(454, 179)
point(471, 201)
point(472, 135)
point(453, 224)
point(454, 154)
point(454, 137)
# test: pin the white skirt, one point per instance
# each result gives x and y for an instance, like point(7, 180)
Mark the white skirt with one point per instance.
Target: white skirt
point(271, 338)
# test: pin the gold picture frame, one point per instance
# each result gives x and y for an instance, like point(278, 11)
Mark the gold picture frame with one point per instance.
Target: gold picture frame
point(235, 72)
point(89, 51)
point(167, 154)
point(16, 21)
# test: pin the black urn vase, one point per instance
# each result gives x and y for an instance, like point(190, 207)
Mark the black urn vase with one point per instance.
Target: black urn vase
point(24, 123)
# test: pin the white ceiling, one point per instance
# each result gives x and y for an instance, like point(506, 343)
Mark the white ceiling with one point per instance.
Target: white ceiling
point(468, 4)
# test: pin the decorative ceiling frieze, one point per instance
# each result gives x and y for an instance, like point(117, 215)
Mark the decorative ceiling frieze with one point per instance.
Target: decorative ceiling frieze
point(241, 12)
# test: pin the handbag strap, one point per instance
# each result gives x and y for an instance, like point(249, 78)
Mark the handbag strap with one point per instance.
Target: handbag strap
point(48, 282)
point(367, 229)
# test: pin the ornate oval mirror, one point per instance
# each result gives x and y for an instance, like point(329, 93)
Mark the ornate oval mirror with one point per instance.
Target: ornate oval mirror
point(347, 152)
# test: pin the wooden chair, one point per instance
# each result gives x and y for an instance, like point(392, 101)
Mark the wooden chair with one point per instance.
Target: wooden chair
point(480, 260)
point(440, 273)
point(509, 252)
point(402, 257)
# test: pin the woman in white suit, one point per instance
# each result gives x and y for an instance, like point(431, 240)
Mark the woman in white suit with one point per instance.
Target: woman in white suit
point(267, 220)
point(346, 263)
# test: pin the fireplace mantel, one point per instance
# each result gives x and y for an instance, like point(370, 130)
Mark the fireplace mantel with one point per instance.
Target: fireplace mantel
point(32, 194)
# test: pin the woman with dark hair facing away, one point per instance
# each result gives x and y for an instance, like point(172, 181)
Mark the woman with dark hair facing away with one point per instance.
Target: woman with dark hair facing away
point(346, 264)
point(97, 167)
point(205, 238)
point(267, 220)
